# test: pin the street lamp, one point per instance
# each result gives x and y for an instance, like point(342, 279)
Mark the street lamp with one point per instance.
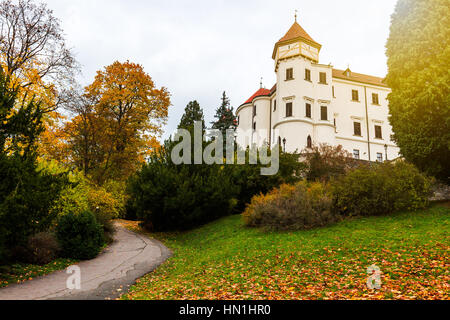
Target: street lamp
point(284, 144)
point(385, 151)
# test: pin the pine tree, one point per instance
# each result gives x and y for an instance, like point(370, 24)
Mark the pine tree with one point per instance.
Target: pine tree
point(193, 112)
point(418, 51)
point(225, 116)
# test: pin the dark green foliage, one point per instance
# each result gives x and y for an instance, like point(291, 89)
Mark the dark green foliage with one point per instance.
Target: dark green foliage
point(225, 116)
point(418, 53)
point(381, 189)
point(20, 121)
point(250, 182)
point(26, 194)
point(179, 197)
point(26, 199)
point(80, 235)
point(193, 112)
point(40, 249)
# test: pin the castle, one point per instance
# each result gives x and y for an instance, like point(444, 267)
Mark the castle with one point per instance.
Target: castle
point(312, 103)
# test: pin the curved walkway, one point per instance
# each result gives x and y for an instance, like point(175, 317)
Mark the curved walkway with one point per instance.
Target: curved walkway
point(106, 277)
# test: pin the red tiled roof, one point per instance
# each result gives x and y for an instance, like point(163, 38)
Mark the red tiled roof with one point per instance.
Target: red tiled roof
point(358, 77)
point(259, 93)
point(296, 31)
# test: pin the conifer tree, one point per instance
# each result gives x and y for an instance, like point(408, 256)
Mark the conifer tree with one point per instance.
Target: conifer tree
point(193, 112)
point(225, 116)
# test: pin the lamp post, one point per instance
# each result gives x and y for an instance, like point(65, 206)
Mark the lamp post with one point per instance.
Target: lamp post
point(385, 151)
point(284, 144)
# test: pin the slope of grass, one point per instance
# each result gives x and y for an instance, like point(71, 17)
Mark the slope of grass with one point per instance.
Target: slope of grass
point(20, 272)
point(225, 260)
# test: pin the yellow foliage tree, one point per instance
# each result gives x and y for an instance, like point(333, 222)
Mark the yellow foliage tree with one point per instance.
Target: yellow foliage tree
point(118, 121)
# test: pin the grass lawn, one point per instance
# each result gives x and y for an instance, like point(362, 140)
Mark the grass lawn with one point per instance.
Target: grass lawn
point(20, 272)
point(225, 260)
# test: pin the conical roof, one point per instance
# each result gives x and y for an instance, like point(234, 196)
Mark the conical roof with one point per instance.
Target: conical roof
point(295, 32)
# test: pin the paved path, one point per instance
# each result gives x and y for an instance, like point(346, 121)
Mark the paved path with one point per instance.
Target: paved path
point(106, 277)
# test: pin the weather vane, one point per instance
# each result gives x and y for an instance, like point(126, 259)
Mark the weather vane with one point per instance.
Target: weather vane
point(261, 83)
point(296, 15)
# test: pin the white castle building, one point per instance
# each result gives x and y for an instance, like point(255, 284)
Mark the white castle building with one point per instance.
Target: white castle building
point(312, 103)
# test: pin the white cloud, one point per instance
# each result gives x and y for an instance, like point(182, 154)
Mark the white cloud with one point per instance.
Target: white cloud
point(199, 48)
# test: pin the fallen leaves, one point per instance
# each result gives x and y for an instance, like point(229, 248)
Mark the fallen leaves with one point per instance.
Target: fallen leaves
point(225, 261)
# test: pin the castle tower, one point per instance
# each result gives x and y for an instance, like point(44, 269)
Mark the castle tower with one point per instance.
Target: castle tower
point(303, 94)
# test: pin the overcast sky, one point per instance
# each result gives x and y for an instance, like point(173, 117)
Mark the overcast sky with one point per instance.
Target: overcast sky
point(199, 48)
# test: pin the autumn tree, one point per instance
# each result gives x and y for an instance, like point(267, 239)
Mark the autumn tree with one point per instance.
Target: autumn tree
point(418, 51)
point(117, 122)
point(38, 65)
point(33, 48)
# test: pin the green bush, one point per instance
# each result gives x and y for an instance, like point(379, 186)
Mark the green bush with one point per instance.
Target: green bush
point(380, 189)
point(171, 197)
point(27, 195)
point(80, 235)
point(249, 181)
point(291, 207)
point(81, 195)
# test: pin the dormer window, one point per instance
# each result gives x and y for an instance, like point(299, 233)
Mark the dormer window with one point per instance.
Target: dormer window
point(289, 74)
point(348, 73)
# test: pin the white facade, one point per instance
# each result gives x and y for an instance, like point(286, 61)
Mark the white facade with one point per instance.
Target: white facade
point(336, 115)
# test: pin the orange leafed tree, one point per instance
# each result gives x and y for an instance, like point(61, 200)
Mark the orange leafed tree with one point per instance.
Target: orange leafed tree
point(117, 122)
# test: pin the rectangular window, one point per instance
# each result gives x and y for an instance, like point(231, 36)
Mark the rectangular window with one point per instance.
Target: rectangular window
point(355, 95)
point(274, 105)
point(375, 99)
point(238, 120)
point(333, 92)
point(379, 157)
point(378, 133)
point(289, 109)
point(324, 113)
point(254, 125)
point(356, 154)
point(307, 75)
point(254, 110)
point(323, 77)
point(308, 110)
point(357, 129)
point(289, 74)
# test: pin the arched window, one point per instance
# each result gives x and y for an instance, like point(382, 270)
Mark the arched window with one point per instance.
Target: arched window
point(309, 142)
point(279, 141)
